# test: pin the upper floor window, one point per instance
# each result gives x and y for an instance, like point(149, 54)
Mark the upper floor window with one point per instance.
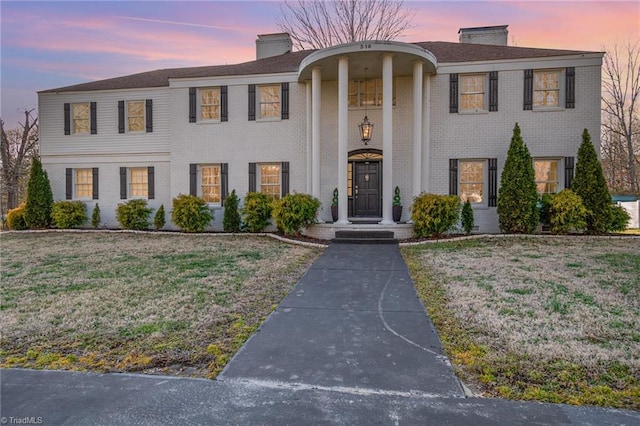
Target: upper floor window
point(366, 93)
point(210, 183)
point(269, 101)
point(472, 92)
point(135, 116)
point(80, 118)
point(471, 182)
point(546, 88)
point(210, 103)
point(546, 172)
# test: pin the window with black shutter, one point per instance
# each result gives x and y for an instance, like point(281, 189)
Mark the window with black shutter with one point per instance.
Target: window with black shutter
point(570, 87)
point(94, 118)
point(453, 176)
point(252, 102)
point(192, 104)
point(149, 115)
point(528, 90)
point(67, 118)
point(453, 93)
point(493, 91)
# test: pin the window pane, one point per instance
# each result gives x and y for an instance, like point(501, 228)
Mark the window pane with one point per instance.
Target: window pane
point(135, 115)
point(472, 181)
point(210, 183)
point(84, 183)
point(210, 104)
point(270, 101)
point(138, 182)
point(81, 118)
point(546, 176)
point(270, 180)
point(472, 92)
point(546, 86)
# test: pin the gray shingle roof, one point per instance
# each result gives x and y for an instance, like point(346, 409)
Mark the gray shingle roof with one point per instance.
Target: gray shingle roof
point(289, 62)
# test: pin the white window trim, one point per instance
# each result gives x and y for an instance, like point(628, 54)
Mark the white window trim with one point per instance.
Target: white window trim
point(259, 116)
point(485, 98)
point(199, 182)
point(561, 90)
point(144, 116)
point(259, 176)
point(130, 195)
point(485, 180)
point(74, 180)
point(199, 105)
point(73, 127)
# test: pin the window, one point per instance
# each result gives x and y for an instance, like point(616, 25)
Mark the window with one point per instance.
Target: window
point(138, 182)
point(269, 101)
point(83, 183)
point(472, 92)
point(210, 183)
point(472, 181)
point(270, 180)
point(81, 118)
point(546, 88)
point(135, 116)
point(210, 104)
point(546, 176)
point(366, 93)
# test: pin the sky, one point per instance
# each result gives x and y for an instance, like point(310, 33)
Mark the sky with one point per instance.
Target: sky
point(50, 44)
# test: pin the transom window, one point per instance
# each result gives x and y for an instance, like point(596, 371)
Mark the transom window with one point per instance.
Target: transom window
point(269, 101)
point(210, 104)
point(138, 182)
point(210, 183)
point(472, 92)
point(135, 116)
point(270, 180)
point(546, 88)
point(365, 93)
point(546, 176)
point(84, 183)
point(472, 181)
point(81, 118)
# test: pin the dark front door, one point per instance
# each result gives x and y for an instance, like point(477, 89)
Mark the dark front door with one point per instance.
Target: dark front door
point(366, 190)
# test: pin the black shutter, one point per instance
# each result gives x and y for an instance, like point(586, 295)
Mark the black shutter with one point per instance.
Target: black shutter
point(568, 172)
point(528, 90)
point(224, 182)
point(121, 117)
point(151, 183)
point(493, 91)
point(149, 113)
point(252, 102)
point(493, 182)
point(69, 184)
point(453, 176)
point(224, 103)
point(570, 88)
point(285, 178)
point(94, 118)
point(252, 177)
point(192, 104)
point(453, 93)
point(95, 183)
point(67, 119)
point(193, 179)
point(284, 108)
point(123, 183)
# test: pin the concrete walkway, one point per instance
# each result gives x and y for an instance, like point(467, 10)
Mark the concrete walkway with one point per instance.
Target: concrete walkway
point(351, 344)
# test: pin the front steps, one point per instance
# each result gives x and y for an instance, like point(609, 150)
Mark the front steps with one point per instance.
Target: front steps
point(364, 237)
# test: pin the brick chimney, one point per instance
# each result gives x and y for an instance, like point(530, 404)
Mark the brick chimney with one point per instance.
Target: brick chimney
point(496, 35)
point(268, 45)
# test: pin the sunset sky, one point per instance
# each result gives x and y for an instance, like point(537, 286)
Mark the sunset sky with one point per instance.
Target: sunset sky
point(46, 45)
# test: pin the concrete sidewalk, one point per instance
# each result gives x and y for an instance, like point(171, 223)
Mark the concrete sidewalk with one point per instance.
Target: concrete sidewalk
point(351, 344)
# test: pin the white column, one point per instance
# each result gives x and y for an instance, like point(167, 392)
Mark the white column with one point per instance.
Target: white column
point(417, 128)
point(387, 139)
point(426, 131)
point(309, 164)
point(315, 131)
point(343, 135)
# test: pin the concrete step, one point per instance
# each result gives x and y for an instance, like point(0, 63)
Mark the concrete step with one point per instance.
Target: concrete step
point(365, 237)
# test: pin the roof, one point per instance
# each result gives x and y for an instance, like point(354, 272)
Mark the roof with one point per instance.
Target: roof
point(445, 52)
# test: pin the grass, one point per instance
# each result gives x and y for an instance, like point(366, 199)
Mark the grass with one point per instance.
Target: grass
point(554, 320)
point(152, 303)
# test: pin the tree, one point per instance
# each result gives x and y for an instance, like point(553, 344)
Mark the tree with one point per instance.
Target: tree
point(231, 221)
point(621, 121)
point(518, 195)
point(37, 212)
point(17, 147)
point(590, 185)
point(320, 24)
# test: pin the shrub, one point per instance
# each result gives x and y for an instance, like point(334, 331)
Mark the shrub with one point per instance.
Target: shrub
point(396, 197)
point(257, 211)
point(467, 217)
point(590, 185)
point(295, 211)
point(95, 216)
point(159, 218)
point(434, 215)
point(231, 220)
point(566, 213)
point(543, 207)
point(620, 219)
point(518, 195)
point(69, 214)
point(15, 218)
point(37, 211)
point(190, 213)
point(134, 214)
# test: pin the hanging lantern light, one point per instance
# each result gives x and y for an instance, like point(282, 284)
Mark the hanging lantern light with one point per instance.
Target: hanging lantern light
point(366, 129)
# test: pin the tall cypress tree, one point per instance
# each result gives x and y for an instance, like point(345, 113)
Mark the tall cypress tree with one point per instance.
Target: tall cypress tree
point(37, 212)
point(518, 196)
point(590, 185)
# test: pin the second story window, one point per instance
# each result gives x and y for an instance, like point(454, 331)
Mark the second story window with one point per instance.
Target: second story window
point(269, 101)
point(135, 116)
point(366, 93)
point(81, 118)
point(546, 88)
point(472, 92)
point(210, 103)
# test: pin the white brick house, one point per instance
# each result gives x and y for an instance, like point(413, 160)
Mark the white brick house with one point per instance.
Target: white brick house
point(443, 114)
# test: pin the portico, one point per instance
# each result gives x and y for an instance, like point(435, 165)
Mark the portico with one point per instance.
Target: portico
point(351, 66)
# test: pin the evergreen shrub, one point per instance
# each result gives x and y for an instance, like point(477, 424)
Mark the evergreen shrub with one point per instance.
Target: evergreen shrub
point(620, 219)
point(231, 221)
point(159, 220)
point(37, 211)
point(257, 211)
point(15, 218)
point(95, 216)
point(69, 214)
point(134, 214)
point(566, 213)
point(433, 215)
point(466, 217)
point(294, 212)
point(190, 213)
